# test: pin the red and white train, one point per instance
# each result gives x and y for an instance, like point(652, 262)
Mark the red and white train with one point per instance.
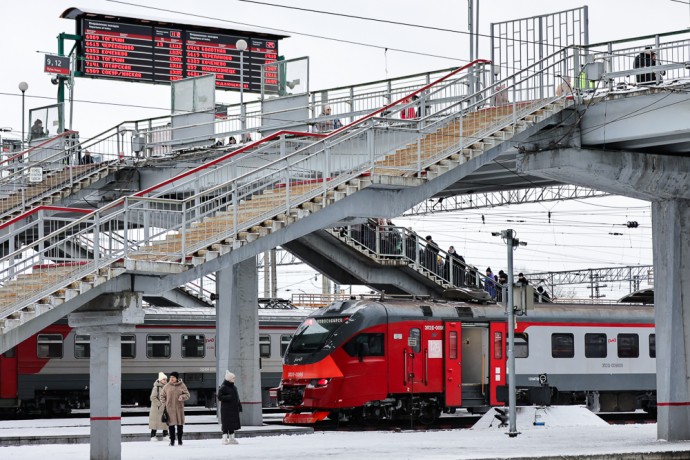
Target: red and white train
point(388, 359)
point(49, 372)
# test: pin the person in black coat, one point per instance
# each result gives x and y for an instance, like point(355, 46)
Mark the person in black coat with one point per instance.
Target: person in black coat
point(230, 408)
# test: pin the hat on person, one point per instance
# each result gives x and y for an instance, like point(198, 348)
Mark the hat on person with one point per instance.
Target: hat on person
point(488, 269)
point(229, 376)
point(175, 374)
point(521, 274)
point(428, 237)
point(162, 376)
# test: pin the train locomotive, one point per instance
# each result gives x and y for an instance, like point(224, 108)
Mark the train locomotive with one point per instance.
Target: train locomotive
point(48, 374)
point(367, 360)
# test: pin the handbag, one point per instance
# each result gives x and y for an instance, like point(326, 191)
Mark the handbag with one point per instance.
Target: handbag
point(165, 417)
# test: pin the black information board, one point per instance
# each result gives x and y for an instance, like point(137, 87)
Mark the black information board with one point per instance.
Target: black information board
point(123, 50)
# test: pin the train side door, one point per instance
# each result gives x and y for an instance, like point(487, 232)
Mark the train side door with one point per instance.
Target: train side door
point(8, 374)
point(497, 360)
point(453, 363)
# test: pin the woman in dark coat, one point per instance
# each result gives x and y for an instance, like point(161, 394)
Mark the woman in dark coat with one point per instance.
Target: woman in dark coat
point(230, 408)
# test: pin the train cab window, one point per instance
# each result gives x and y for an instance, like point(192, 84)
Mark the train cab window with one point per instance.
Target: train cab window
point(49, 346)
point(652, 345)
point(158, 346)
point(365, 345)
point(628, 345)
point(595, 346)
point(415, 340)
point(128, 346)
point(193, 346)
point(11, 353)
point(82, 346)
point(265, 346)
point(284, 342)
point(562, 345)
point(521, 346)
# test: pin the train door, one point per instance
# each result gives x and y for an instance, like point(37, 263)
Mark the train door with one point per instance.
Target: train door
point(415, 357)
point(497, 360)
point(453, 364)
point(8, 374)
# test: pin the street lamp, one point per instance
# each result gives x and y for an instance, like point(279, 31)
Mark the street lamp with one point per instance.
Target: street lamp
point(509, 237)
point(23, 86)
point(241, 45)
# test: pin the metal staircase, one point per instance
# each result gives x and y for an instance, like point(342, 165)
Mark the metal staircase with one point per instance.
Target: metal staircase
point(269, 189)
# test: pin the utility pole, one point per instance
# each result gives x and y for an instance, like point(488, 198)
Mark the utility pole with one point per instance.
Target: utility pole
point(512, 244)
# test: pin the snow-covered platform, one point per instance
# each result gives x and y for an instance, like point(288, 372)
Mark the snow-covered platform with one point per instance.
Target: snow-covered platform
point(566, 434)
point(134, 429)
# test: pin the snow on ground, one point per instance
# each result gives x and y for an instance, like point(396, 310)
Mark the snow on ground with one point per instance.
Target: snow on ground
point(566, 431)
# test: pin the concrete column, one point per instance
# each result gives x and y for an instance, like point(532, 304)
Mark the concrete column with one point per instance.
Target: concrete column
point(104, 320)
point(671, 229)
point(237, 335)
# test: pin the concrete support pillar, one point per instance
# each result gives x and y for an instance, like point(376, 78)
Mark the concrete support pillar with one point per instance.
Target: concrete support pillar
point(104, 320)
point(671, 229)
point(237, 335)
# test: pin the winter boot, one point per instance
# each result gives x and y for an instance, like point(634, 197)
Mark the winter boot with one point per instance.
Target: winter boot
point(153, 435)
point(165, 433)
point(179, 434)
point(172, 435)
point(226, 439)
point(232, 439)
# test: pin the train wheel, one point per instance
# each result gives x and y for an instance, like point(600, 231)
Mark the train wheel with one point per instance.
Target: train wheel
point(429, 415)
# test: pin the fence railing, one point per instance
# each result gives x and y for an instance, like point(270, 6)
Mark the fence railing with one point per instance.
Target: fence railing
point(158, 225)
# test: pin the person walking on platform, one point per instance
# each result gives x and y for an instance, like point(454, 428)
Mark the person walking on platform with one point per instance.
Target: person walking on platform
point(173, 396)
point(230, 408)
point(156, 412)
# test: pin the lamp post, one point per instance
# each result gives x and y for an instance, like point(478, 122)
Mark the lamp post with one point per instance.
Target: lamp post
point(509, 237)
point(23, 86)
point(241, 45)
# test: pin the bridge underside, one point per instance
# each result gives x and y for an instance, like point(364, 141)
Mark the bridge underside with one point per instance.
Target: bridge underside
point(662, 179)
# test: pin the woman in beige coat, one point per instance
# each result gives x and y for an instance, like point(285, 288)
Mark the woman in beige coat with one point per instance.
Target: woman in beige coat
point(156, 412)
point(173, 396)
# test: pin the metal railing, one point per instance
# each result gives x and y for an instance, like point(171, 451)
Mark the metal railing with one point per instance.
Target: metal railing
point(153, 226)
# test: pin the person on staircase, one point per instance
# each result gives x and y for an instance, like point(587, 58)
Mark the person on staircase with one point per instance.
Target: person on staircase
point(157, 407)
point(173, 396)
point(230, 408)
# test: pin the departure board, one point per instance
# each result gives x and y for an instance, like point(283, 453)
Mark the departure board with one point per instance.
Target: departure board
point(129, 51)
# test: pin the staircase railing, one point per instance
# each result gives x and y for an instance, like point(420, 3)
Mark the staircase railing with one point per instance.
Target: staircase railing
point(169, 230)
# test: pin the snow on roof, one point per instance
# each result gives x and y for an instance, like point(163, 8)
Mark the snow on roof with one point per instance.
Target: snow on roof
point(76, 13)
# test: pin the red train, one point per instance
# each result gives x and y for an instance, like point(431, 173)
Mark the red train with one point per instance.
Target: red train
point(369, 360)
point(48, 373)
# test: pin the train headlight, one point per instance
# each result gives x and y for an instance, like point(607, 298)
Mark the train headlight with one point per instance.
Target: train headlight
point(318, 383)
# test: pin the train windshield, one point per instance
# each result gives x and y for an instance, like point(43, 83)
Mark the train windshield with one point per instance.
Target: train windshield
point(312, 334)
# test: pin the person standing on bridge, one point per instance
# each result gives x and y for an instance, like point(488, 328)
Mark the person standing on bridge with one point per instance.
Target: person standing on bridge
point(230, 408)
point(173, 396)
point(156, 412)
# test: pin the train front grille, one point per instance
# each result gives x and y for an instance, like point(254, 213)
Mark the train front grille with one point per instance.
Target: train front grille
point(291, 395)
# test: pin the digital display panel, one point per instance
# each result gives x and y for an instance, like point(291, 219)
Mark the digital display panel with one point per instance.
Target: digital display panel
point(127, 51)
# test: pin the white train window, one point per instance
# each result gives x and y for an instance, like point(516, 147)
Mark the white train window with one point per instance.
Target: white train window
point(158, 346)
point(652, 345)
point(628, 345)
point(193, 346)
point(128, 346)
point(49, 346)
point(284, 342)
point(521, 346)
point(595, 346)
point(265, 346)
point(82, 346)
point(562, 345)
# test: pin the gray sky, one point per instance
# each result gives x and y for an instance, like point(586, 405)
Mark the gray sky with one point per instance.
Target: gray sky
point(578, 237)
